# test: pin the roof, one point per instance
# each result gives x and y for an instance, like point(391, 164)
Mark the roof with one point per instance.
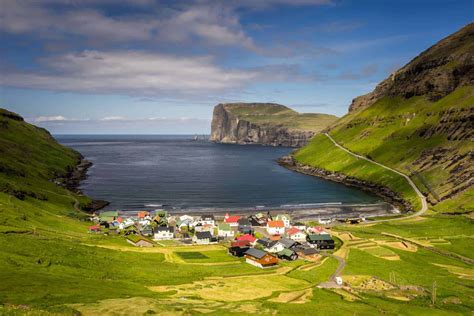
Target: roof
point(207, 217)
point(136, 238)
point(203, 235)
point(256, 253)
point(315, 237)
point(309, 251)
point(275, 224)
point(164, 229)
point(95, 227)
point(275, 237)
point(264, 241)
point(239, 243)
point(287, 243)
point(244, 221)
point(247, 237)
point(224, 226)
point(286, 252)
point(292, 231)
point(231, 219)
point(142, 214)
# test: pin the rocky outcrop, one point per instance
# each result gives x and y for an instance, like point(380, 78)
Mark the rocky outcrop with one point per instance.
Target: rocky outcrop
point(435, 73)
point(385, 193)
point(227, 127)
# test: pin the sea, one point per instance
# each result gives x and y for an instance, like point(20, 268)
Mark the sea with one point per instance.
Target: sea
point(136, 172)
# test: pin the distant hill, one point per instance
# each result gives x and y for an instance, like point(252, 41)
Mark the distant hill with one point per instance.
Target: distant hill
point(419, 121)
point(266, 124)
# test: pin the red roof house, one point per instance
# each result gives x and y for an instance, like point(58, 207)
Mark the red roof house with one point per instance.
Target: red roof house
point(292, 231)
point(231, 220)
point(247, 237)
point(240, 243)
point(94, 229)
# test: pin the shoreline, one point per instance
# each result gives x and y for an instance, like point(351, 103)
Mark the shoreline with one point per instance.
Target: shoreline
point(72, 181)
point(385, 193)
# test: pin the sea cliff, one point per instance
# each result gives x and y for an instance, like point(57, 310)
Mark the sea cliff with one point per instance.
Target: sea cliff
point(265, 124)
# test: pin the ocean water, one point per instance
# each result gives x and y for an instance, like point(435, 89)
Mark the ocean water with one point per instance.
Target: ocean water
point(135, 171)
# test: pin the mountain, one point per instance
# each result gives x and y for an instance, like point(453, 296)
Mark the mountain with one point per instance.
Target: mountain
point(419, 121)
point(435, 73)
point(266, 124)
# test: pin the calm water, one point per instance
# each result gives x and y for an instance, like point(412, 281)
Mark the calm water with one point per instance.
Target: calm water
point(135, 172)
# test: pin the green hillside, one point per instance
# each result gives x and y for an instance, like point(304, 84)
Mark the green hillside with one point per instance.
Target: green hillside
point(427, 140)
point(270, 114)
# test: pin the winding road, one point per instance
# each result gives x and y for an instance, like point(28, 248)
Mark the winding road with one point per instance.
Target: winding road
point(424, 204)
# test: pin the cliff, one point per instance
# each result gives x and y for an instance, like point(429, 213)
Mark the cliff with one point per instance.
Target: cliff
point(420, 121)
point(435, 73)
point(265, 124)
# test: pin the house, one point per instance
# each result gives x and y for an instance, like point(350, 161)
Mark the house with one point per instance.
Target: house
point(143, 214)
point(325, 221)
point(245, 227)
point(238, 251)
point(94, 229)
point(138, 241)
point(240, 243)
point(300, 226)
point(264, 242)
point(200, 227)
point(260, 258)
point(163, 233)
point(321, 241)
point(184, 224)
point(284, 218)
point(146, 230)
point(287, 254)
point(251, 239)
point(206, 220)
point(296, 234)
point(202, 238)
point(186, 217)
point(274, 247)
point(224, 230)
point(233, 221)
point(287, 243)
point(276, 227)
point(315, 230)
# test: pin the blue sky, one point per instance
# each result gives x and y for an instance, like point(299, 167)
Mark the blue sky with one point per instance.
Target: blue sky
point(159, 67)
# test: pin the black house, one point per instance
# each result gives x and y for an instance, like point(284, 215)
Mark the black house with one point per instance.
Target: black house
point(238, 251)
point(245, 227)
point(322, 241)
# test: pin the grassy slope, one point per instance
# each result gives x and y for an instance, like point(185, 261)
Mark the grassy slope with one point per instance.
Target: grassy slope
point(48, 261)
point(388, 132)
point(278, 115)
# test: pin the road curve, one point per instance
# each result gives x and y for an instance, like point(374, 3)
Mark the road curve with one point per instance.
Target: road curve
point(424, 204)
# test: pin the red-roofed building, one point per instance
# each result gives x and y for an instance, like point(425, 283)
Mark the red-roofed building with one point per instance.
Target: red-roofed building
point(251, 239)
point(233, 221)
point(315, 230)
point(143, 214)
point(94, 229)
point(276, 227)
point(240, 243)
point(119, 219)
point(296, 234)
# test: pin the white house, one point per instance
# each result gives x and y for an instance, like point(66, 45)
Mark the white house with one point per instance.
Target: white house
point(276, 227)
point(296, 234)
point(233, 221)
point(224, 230)
point(325, 221)
point(206, 220)
point(275, 247)
point(202, 238)
point(284, 218)
point(163, 233)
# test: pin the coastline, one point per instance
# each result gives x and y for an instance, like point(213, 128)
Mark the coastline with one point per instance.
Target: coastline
point(72, 181)
point(385, 193)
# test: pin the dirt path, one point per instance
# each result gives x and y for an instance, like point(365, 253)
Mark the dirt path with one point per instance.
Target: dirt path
point(424, 204)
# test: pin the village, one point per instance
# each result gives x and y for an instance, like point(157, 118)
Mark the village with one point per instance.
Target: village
point(262, 239)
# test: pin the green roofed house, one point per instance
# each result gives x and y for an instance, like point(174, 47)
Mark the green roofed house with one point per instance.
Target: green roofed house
point(322, 241)
point(139, 241)
point(287, 254)
point(224, 230)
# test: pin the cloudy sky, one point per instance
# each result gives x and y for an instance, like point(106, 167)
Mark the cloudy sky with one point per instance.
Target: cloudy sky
point(159, 67)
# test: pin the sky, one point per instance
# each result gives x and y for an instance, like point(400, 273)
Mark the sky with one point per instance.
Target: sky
point(159, 67)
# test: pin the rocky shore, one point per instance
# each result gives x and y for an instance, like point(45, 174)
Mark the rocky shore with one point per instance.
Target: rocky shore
point(72, 180)
point(385, 193)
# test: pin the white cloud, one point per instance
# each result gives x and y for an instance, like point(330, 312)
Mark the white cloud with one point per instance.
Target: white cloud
point(131, 73)
point(56, 118)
